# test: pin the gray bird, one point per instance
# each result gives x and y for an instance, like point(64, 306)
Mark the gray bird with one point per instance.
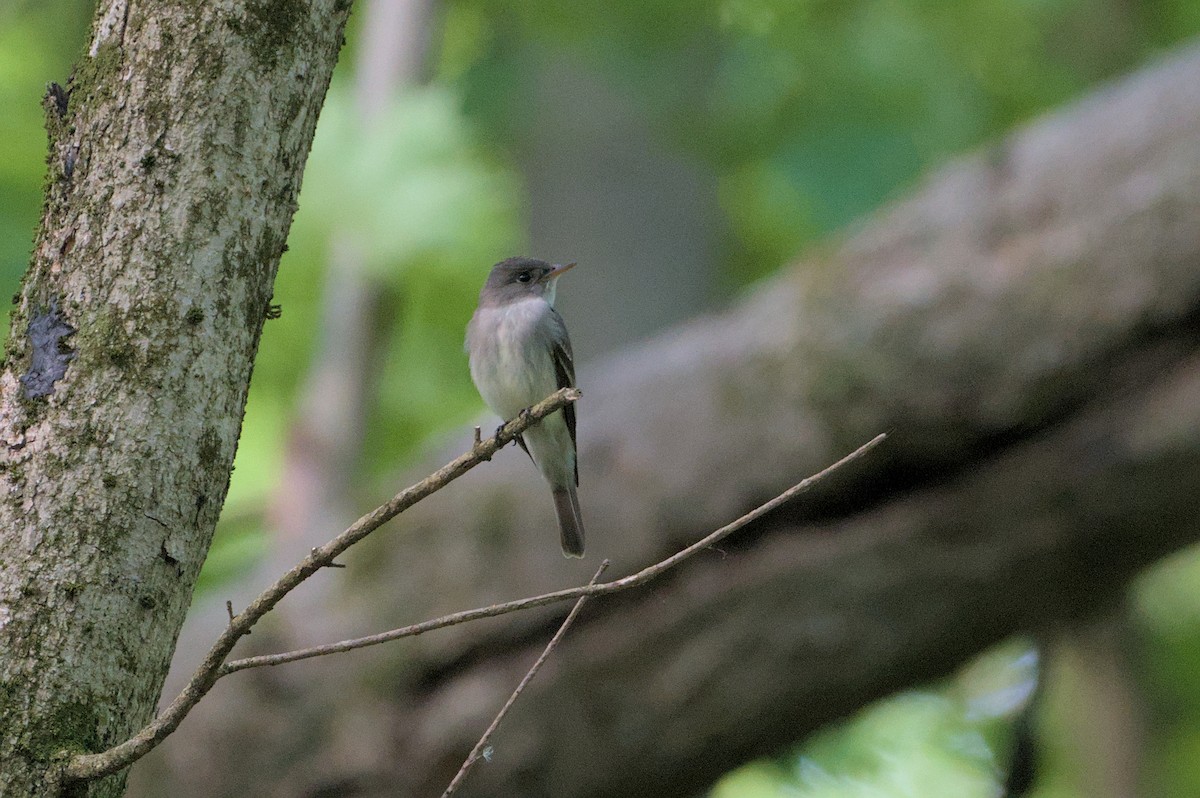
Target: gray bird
point(520, 353)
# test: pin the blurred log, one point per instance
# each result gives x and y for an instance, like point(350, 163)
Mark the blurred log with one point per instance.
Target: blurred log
point(1025, 327)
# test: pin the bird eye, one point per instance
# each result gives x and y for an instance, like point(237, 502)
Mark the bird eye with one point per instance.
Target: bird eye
point(524, 277)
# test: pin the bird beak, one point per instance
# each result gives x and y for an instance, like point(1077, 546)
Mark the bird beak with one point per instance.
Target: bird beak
point(557, 272)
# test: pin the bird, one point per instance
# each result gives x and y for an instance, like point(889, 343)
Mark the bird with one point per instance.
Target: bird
point(520, 353)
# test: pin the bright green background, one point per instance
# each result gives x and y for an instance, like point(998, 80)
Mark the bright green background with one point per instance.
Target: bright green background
point(807, 114)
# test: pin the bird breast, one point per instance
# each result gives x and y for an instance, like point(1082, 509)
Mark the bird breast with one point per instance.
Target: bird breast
point(510, 360)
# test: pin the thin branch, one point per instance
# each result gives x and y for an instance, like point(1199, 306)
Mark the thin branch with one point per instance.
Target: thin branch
point(92, 766)
point(473, 757)
point(633, 580)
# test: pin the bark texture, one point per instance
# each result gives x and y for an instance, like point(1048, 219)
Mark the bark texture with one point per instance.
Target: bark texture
point(1024, 325)
point(176, 153)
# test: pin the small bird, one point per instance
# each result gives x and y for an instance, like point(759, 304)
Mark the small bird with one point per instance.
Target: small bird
point(520, 353)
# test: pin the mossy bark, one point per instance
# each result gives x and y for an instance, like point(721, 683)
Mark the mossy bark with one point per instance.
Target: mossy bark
point(176, 152)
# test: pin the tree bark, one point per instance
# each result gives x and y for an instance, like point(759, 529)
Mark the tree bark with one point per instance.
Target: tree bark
point(176, 153)
point(1024, 325)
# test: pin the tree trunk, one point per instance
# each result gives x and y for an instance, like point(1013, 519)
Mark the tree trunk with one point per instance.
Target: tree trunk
point(1024, 325)
point(175, 157)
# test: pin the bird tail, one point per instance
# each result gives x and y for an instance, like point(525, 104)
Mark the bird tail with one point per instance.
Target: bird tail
point(570, 522)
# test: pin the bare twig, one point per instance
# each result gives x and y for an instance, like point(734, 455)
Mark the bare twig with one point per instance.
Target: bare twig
point(633, 580)
point(92, 766)
point(480, 746)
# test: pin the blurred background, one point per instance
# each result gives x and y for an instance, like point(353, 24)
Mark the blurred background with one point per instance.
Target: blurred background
point(678, 150)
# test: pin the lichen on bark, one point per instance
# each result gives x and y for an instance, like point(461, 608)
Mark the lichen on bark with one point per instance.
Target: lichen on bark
point(175, 153)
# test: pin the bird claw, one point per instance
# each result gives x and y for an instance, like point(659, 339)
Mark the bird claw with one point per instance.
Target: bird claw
point(523, 415)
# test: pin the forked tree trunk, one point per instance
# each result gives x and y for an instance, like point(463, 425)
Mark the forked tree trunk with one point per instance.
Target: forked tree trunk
point(176, 153)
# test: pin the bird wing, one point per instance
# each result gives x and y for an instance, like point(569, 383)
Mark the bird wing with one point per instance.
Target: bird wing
point(564, 372)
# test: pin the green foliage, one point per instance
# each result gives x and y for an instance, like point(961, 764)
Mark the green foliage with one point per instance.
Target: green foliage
point(1168, 603)
point(239, 545)
point(410, 188)
point(35, 49)
point(812, 112)
point(950, 742)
